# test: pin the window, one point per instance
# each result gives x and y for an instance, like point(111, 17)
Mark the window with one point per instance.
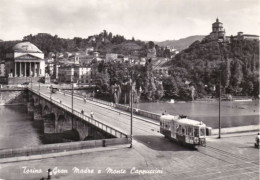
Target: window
point(183, 130)
point(179, 129)
point(189, 131)
point(196, 132)
point(202, 132)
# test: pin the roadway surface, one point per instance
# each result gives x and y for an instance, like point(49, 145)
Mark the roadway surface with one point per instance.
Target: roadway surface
point(231, 157)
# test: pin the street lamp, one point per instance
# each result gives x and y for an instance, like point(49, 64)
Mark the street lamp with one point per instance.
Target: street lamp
point(131, 101)
point(219, 104)
point(72, 96)
point(219, 124)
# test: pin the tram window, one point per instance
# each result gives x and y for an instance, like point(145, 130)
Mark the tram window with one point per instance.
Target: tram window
point(196, 132)
point(189, 131)
point(183, 131)
point(202, 132)
point(179, 129)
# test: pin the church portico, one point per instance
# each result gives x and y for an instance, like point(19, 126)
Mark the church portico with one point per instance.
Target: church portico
point(27, 69)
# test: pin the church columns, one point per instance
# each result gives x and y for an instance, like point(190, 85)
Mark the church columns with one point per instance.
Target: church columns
point(15, 74)
point(39, 73)
point(35, 70)
point(25, 72)
point(20, 72)
point(30, 69)
point(25, 69)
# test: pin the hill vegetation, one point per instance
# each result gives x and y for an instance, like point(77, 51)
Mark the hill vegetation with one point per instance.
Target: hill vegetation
point(203, 63)
point(181, 43)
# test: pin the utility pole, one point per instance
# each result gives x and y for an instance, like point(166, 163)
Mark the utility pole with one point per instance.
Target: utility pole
point(219, 124)
point(131, 101)
point(72, 94)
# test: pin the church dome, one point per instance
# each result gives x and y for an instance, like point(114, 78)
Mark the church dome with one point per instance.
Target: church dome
point(26, 47)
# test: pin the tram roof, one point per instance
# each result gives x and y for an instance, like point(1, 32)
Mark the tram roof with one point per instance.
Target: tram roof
point(169, 117)
point(190, 122)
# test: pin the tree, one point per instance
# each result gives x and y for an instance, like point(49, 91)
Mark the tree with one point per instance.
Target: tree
point(226, 74)
point(237, 75)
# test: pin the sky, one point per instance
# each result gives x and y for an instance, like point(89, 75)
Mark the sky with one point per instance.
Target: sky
point(148, 20)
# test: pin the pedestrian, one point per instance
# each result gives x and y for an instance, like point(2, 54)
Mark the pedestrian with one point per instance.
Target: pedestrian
point(92, 114)
point(257, 138)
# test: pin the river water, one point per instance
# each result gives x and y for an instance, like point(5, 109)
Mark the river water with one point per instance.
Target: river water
point(233, 113)
point(17, 128)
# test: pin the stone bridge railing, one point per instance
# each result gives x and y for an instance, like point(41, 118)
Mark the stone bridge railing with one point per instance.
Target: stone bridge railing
point(108, 129)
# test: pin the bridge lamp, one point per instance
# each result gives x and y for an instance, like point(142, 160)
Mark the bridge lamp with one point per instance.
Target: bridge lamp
point(131, 101)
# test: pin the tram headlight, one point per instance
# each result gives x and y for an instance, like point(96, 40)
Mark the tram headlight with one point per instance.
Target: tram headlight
point(196, 140)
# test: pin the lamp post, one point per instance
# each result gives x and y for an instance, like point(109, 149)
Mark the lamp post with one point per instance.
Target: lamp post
point(131, 101)
point(219, 120)
point(219, 104)
point(72, 97)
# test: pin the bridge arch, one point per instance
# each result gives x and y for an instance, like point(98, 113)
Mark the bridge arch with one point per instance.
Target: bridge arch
point(46, 110)
point(64, 123)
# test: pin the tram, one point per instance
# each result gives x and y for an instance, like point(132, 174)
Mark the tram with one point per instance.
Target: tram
point(183, 130)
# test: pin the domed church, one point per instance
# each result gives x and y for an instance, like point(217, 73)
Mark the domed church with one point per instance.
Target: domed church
point(24, 62)
point(218, 32)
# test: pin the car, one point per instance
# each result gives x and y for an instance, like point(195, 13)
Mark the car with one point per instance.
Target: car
point(26, 83)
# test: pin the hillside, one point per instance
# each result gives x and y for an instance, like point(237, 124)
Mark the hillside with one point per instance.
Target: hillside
point(103, 42)
point(181, 43)
point(202, 63)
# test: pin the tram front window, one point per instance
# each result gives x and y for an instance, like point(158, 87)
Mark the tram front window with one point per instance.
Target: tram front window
point(196, 132)
point(202, 132)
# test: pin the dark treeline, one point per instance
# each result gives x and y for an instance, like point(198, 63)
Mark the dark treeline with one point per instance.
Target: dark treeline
point(203, 63)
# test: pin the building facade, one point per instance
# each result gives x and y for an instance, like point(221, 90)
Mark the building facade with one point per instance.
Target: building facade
point(22, 61)
point(77, 74)
point(242, 36)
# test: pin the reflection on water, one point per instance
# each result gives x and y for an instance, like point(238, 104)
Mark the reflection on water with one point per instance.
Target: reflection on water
point(17, 128)
point(232, 113)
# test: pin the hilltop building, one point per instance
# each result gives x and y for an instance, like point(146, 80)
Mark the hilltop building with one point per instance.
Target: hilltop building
point(218, 32)
point(242, 36)
point(22, 61)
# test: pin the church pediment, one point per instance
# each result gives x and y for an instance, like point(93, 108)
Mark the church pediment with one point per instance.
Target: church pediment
point(27, 57)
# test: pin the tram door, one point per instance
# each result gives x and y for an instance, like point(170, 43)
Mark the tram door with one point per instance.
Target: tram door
point(173, 130)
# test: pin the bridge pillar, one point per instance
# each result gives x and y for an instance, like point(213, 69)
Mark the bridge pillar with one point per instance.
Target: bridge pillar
point(30, 108)
point(82, 127)
point(49, 124)
point(37, 114)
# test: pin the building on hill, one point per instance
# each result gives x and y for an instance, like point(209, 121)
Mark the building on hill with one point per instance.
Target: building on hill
point(111, 56)
point(23, 62)
point(2, 69)
point(242, 36)
point(89, 50)
point(218, 32)
point(151, 53)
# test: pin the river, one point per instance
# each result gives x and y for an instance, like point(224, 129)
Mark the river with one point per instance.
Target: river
point(233, 113)
point(17, 128)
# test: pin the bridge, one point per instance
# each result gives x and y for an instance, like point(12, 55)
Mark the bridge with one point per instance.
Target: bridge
point(59, 114)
